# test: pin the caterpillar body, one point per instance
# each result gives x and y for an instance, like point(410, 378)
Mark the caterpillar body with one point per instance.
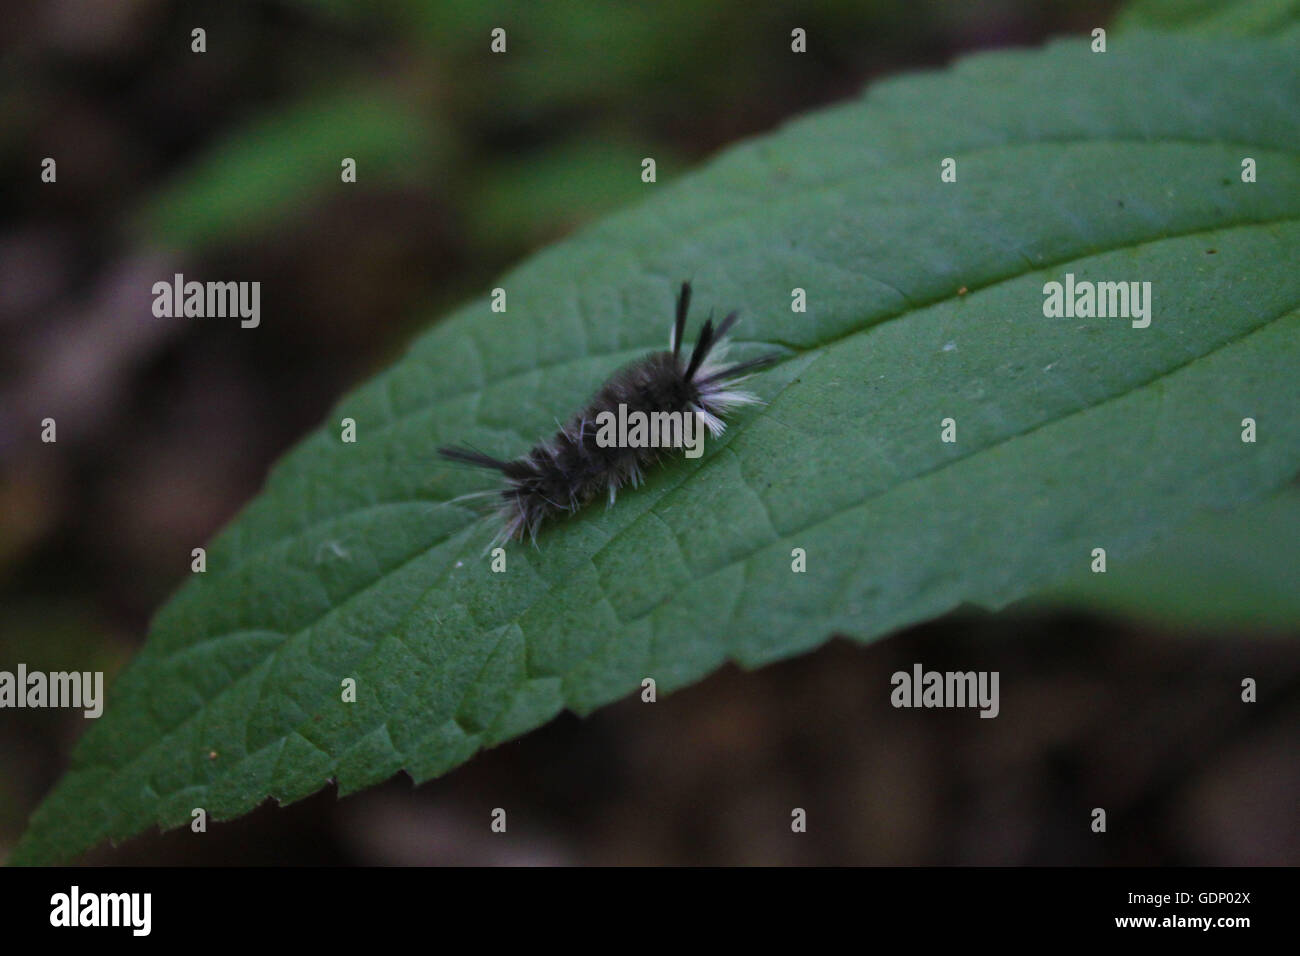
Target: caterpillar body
point(562, 475)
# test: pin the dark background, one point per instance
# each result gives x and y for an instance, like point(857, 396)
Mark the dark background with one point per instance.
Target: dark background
point(174, 161)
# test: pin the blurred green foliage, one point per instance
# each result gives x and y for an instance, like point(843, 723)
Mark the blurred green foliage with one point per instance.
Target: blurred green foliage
point(263, 173)
point(517, 149)
point(350, 564)
point(1277, 19)
point(1223, 570)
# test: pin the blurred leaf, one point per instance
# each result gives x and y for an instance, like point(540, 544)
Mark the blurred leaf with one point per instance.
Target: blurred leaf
point(555, 50)
point(54, 634)
point(1220, 571)
point(926, 302)
point(1267, 18)
point(277, 165)
point(534, 197)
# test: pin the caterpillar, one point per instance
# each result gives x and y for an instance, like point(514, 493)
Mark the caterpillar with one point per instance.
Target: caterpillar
point(564, 474)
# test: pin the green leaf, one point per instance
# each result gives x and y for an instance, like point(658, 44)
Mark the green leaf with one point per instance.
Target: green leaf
point(1220, 571)
point(261, 175)
point(925, 302)
point(1269, 18)
point(548, 190)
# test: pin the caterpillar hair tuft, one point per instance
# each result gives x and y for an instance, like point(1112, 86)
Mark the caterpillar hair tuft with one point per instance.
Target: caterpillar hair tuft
point(567, 472)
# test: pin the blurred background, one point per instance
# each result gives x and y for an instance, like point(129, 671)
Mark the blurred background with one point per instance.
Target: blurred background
point(225, 165)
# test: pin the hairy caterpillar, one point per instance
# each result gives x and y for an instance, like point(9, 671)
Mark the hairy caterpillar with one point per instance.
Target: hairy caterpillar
point(562, 475)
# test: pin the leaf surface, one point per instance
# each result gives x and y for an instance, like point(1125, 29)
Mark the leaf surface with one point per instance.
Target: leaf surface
point(925, 302)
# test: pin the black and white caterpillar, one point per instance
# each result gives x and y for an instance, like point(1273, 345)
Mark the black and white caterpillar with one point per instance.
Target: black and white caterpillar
point(562, 475)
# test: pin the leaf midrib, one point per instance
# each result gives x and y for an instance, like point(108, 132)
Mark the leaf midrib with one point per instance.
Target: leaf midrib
point(303, 631)
point(729, 655)
point(869, 324)
point(452, 540)
point(813, 188)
